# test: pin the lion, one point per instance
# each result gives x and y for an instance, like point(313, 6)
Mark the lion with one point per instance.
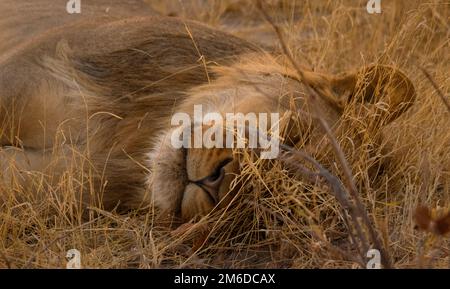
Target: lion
point(107, 82)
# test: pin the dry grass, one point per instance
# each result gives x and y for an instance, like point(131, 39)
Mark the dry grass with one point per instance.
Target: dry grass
point(280, 219)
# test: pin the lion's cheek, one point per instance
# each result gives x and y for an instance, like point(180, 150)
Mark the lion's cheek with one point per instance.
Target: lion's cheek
point(195, 203)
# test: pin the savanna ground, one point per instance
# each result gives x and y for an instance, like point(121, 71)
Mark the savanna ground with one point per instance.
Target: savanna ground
point(281, 220)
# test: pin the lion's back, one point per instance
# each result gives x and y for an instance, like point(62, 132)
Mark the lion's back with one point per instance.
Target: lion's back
point(22, 20)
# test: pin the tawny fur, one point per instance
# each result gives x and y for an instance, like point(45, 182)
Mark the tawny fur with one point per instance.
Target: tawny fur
point(106, 87)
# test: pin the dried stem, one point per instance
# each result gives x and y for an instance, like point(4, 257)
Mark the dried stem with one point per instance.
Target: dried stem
point(360, 210)
point(436, 87)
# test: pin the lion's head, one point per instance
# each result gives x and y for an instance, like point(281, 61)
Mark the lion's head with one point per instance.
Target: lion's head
point(191, 182)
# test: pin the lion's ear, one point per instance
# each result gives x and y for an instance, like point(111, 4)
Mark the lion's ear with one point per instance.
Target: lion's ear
point(388, 90)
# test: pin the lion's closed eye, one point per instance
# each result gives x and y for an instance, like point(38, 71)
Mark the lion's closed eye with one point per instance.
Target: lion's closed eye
point(217, 173)
point(211, 184)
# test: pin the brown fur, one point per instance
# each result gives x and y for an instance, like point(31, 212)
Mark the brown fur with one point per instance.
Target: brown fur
point(108, 86)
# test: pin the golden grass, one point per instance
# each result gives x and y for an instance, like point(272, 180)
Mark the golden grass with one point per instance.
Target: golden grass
point(278, 219)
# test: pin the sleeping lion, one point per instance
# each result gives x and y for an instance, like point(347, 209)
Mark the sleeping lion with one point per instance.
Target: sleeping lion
point(95, 92)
